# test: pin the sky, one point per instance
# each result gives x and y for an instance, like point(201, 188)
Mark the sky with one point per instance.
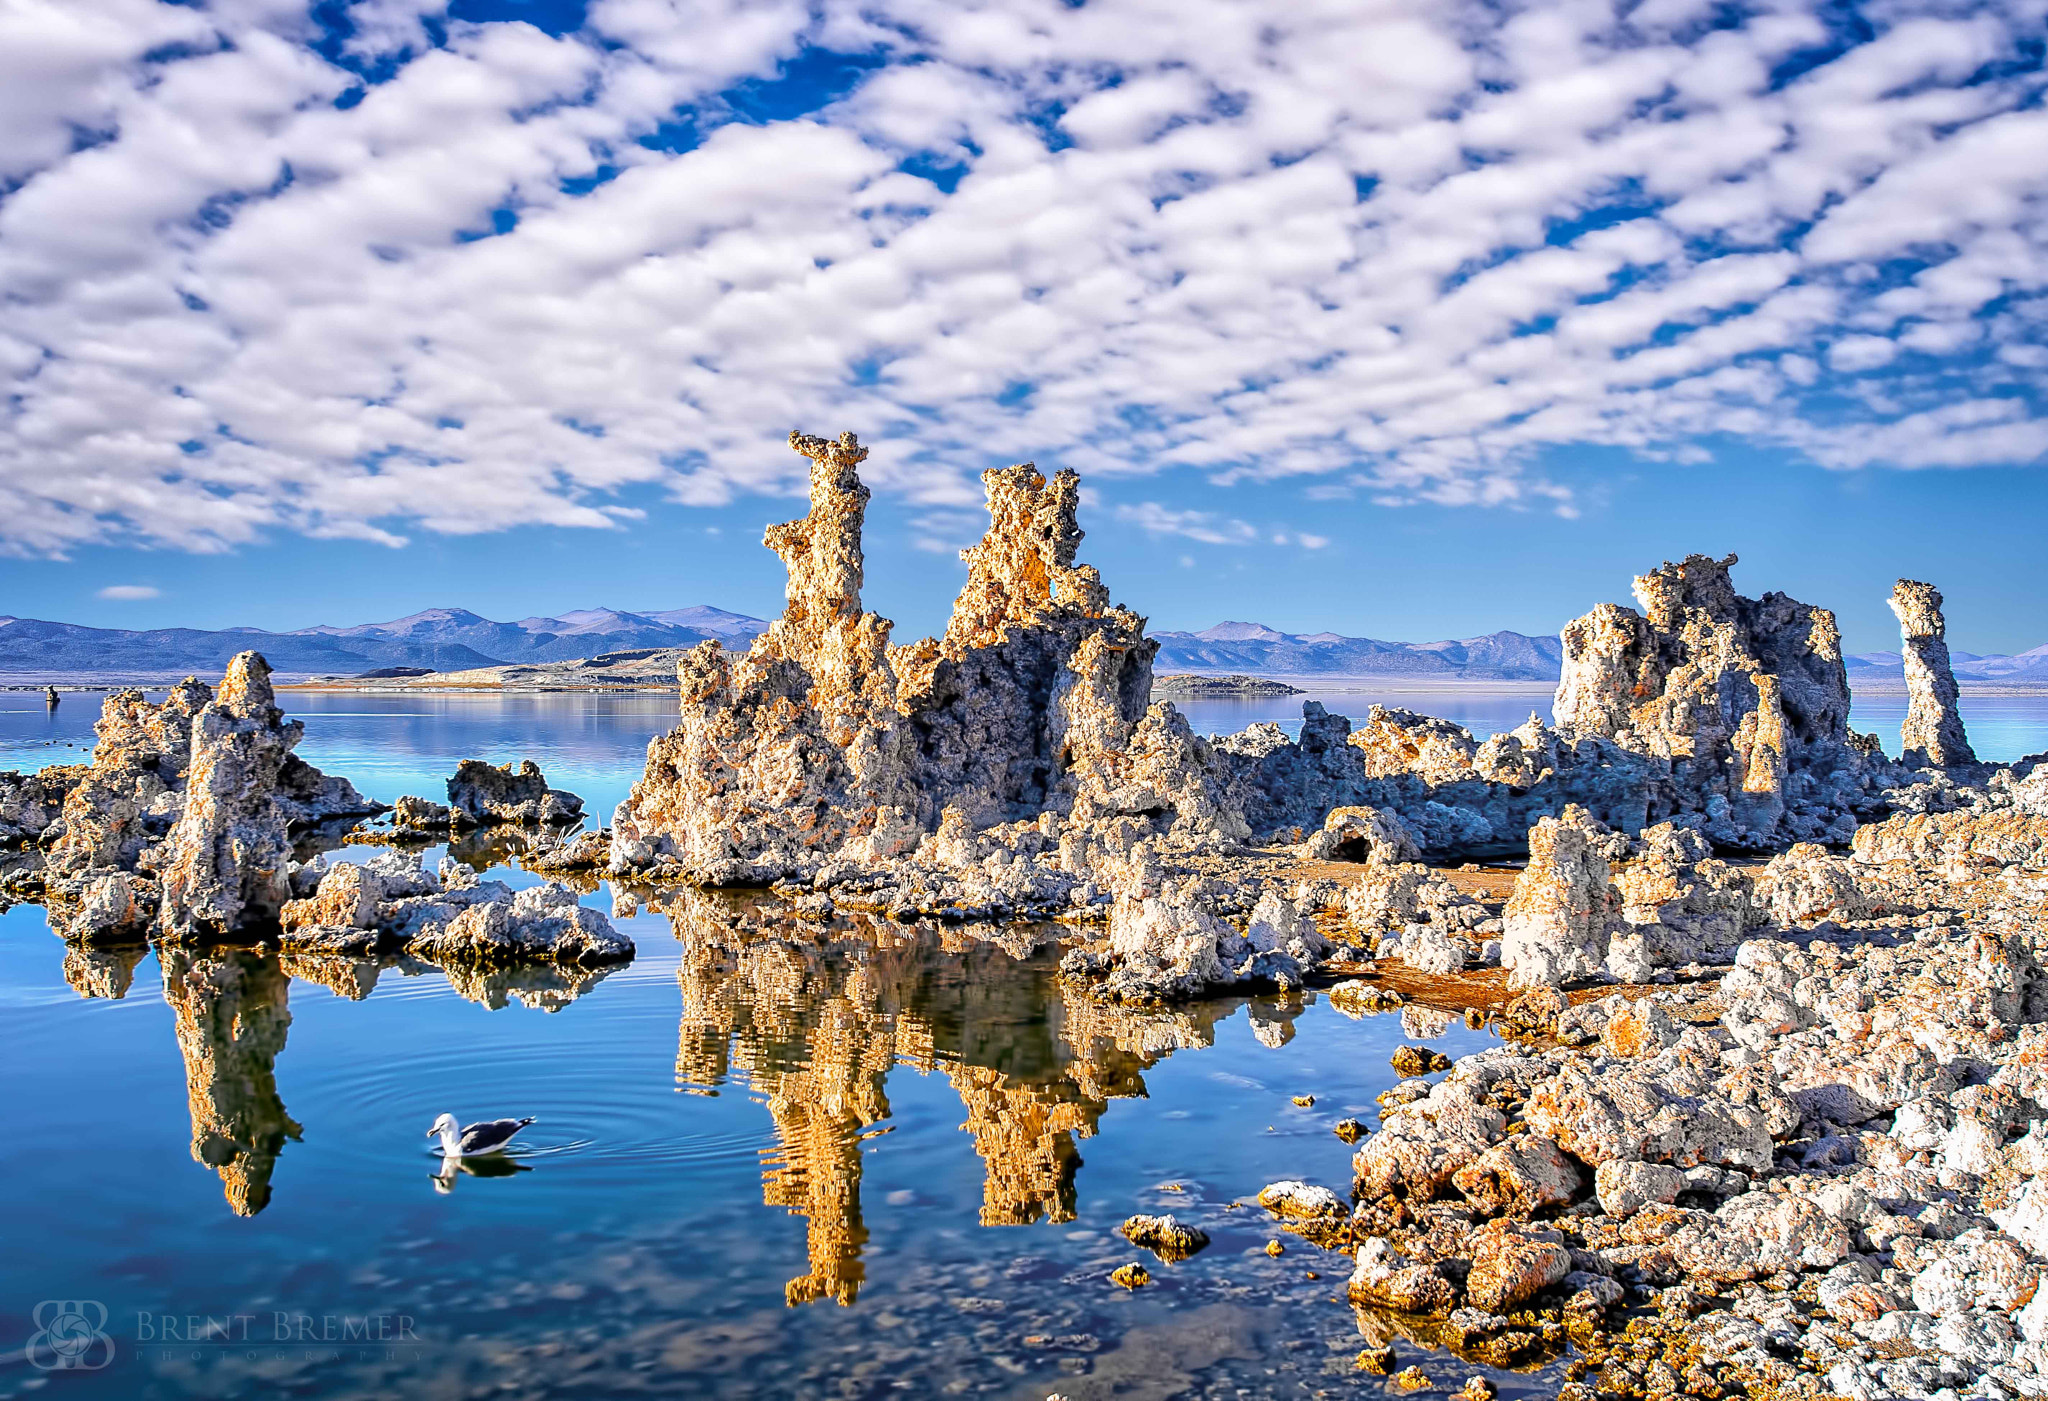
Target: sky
point(1401, 318)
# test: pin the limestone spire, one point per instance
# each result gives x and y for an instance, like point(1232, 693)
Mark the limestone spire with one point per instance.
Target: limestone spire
point(1933, 730)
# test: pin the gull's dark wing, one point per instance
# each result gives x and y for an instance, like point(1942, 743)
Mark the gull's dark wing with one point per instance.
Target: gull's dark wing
point(491, 1135)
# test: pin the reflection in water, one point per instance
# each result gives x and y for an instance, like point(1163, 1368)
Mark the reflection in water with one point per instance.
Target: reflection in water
point(101, 972)
point(352, 978)
point(490, 1165)
point(231, 1022)
point(814, 1017)
point(543, 987)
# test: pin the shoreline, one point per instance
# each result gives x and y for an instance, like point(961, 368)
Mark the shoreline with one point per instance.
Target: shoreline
point(1309, 683)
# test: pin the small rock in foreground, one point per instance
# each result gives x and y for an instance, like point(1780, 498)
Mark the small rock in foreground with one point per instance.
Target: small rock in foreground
point(1165, 1236)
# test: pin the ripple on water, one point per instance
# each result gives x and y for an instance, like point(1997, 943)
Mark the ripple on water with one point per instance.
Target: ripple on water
point(594, 1104)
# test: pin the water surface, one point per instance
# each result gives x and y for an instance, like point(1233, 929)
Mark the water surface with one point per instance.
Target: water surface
point(771, 1158)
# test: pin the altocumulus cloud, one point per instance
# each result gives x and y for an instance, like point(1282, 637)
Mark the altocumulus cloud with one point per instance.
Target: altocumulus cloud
point(129, 592)
point(370, 269)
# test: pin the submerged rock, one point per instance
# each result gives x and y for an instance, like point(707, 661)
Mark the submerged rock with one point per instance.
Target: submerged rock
point(1165, 1236)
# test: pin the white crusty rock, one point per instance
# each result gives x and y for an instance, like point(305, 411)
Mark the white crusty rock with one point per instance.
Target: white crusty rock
point(31, 802)
point(1363, 834)
point(1166, 944)
point(541, 923)
point(1743, 703)
point(1933, 730)
point(1806, 883)
point(1625, 1187)
point(391, 904)
point(192, 803)
point(824, 744)
point(1564, 910)
point(228, 854)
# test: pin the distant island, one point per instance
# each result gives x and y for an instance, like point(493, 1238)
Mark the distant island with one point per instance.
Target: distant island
point(1186, 687)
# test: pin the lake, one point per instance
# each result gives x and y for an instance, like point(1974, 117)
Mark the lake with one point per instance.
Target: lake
point(770, 1159)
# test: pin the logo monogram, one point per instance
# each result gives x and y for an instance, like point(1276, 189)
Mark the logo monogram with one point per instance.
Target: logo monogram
point(70, 1336)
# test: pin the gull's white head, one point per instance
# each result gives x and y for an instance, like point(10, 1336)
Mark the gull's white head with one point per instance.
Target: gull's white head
point(443, 1127)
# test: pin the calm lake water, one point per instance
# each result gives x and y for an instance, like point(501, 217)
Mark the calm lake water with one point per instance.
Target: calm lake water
point(783, 1162)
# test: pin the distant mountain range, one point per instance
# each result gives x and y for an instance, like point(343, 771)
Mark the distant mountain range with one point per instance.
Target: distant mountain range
point(2021, 669)
point(454, 639)
point(1254, 647)
point(440, 639)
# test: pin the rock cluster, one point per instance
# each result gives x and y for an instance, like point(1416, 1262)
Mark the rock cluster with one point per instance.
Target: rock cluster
point(181, 826)
point(391, 904)
point(824, 744)
point(1011, 768)
point(1827, 1158)
point(482, 795)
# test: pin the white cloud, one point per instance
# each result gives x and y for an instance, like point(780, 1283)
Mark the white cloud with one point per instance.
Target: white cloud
point(1331, 242)
point(1204, 526)
point(127, 592)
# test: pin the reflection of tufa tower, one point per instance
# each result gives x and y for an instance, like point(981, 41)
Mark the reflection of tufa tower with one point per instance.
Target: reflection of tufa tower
point(815, 1018)
point(231, 1024)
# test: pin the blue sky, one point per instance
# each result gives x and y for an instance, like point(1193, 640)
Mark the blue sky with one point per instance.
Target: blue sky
point(1411, 320)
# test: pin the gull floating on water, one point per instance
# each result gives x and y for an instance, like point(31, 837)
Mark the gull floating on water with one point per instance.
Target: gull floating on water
point(491, 1136)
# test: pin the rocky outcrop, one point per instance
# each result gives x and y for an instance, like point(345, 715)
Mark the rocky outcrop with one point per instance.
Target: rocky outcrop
point(1167, 944)
point(31, 802)
point(485, 795)
point(225, 860)
point(540, 923)
point(1828, 1165)
point(1564, 911)
point(1933, 730)
point(1743, 703)
point(181, 825)
point(825, 744)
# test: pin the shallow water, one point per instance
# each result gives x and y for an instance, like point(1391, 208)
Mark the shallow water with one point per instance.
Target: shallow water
point(785, 1162)
point(792, 1161)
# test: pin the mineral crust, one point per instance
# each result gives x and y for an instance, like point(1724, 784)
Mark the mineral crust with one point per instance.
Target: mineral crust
point(1933, 732)
point(181, 826)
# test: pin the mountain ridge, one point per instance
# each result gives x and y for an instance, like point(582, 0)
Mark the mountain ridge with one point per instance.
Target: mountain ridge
point(442, 639)
point(457, 639)
point(1254, 647)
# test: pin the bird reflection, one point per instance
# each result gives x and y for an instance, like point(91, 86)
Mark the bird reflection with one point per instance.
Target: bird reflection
point(814, 1017)
point(492, 1165)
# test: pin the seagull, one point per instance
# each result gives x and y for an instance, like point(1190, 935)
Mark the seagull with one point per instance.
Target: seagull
point(491, 1136)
